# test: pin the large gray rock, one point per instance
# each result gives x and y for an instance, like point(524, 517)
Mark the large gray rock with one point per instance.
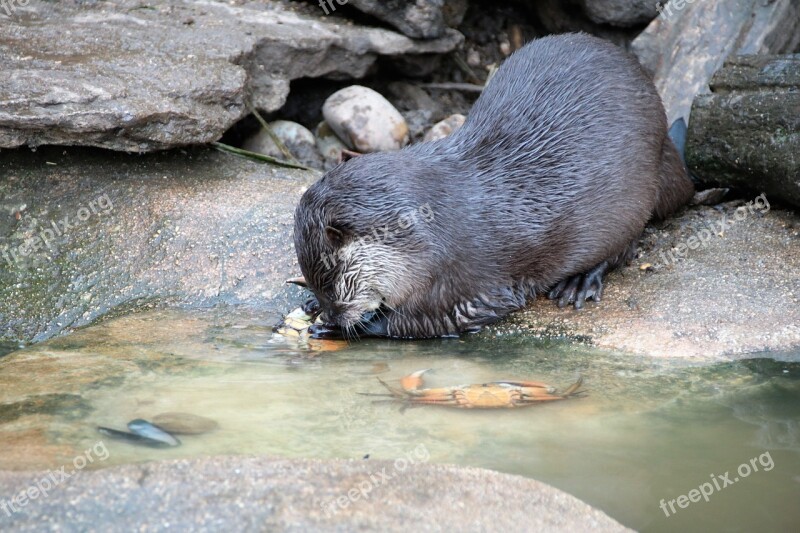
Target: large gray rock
point(624, 13)
point(746, 133)
point(722, 281)
point(561, 16)
point(268, 494)
point(683, 48)
point(195, 228)
point(420, 19)
point(125, 76)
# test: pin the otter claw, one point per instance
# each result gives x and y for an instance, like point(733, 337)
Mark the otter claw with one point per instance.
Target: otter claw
point(325, 331)
point(578, 289)
point(311, 307)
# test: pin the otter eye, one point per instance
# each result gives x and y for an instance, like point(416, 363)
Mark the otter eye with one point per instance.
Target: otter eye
point(335, 235)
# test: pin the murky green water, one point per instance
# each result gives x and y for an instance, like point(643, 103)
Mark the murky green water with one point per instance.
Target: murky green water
point(647, 430)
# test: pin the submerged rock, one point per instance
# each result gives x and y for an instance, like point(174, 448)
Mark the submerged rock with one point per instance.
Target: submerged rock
point(185, 423)
point(365, 120)
point(72, 73)
point(746, 133)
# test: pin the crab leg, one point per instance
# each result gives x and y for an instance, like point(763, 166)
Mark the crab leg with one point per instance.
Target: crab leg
point(413, 381)
point(526, 384)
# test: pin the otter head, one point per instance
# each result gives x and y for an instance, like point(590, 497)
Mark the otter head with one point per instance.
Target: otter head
point(360, 241)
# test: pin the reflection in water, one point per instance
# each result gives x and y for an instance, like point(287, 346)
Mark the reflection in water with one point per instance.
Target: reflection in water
point(647, 430)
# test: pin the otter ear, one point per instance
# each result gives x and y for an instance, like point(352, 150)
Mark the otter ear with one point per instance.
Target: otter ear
point(335, 235)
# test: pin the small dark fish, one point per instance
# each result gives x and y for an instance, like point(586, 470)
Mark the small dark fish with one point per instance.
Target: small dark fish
point(132, 438)
point(148, 430)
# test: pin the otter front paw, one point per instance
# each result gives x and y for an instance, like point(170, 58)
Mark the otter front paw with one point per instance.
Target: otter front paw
point(375, 327)
point(580, 288)
point(325, 331)
point(311, 307)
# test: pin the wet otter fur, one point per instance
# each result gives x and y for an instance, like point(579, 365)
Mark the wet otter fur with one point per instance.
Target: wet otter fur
point(548, 185)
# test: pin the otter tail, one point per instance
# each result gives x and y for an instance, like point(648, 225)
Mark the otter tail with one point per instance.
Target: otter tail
point(675, 185)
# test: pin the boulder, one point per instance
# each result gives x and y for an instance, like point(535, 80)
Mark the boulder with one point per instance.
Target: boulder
point(103, 74)
point(561, 16)
point(746, 133)
point(365, 120)
point(85, 233)
point(272, 494)
point(623, 13)
point(419, 19)
point(688, 42)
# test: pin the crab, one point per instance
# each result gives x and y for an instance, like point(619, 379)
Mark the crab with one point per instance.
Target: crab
point(492, 395)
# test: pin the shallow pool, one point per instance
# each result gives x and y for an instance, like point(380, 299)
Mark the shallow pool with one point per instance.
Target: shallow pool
point(646, 430)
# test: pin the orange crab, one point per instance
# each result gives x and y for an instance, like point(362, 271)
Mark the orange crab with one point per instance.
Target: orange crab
point(493, 395)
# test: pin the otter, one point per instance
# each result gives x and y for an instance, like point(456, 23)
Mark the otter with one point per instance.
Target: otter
point(547, 186)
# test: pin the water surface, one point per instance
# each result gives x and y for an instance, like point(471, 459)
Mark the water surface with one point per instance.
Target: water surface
point(646, 430)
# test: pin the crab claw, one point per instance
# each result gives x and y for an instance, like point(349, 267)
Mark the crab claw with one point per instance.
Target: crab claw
point(412, 382)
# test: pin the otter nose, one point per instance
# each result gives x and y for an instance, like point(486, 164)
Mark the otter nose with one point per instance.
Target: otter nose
point(368, 316)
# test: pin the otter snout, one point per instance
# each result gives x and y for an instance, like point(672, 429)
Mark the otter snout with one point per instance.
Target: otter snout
point(346, 314)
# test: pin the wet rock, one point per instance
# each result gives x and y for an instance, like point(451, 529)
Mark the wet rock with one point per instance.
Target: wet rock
point(746, 133)
point(301, 143)
point(420, 19)
point(683, 48)
point(365, 120)
point(72, 73)
point(723, 281)
point(624, 13)
point(299, 495)
point(29, 448)
point(185, 423)
point(444, 128)
point(69, 405)
point(108, 233)
point(329, 145)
